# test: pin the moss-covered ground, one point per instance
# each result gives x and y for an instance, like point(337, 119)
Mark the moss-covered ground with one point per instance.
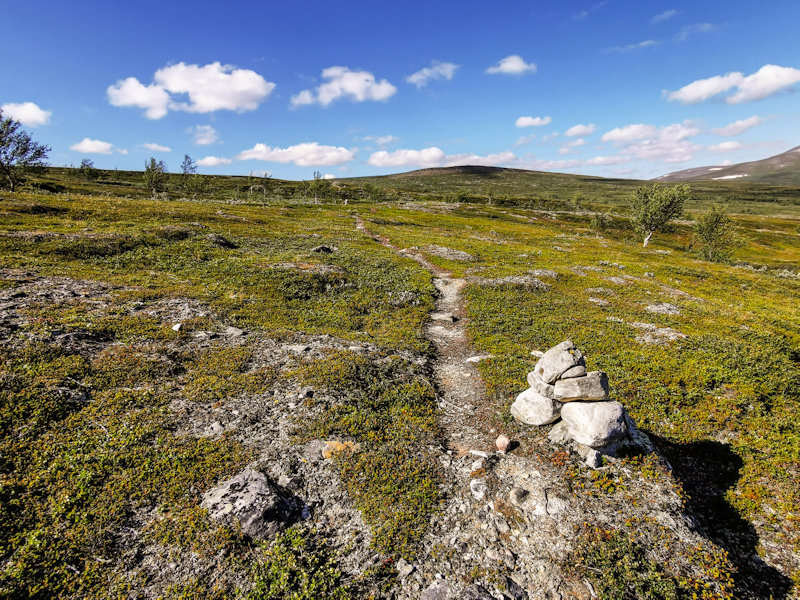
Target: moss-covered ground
point(89, 441)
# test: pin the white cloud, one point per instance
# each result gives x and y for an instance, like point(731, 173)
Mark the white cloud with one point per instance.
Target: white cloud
point(550, 136)
point(738, 127)
point(579, 130)
point(512, 65)
point(564, 150)
point(580, 16)
point(568, 147)
point(88, 146)
point(629, 132)
point(121, 151)
point(667, 14)
point(213, 161)
point(382, 140)
point(204, 135)
point(533, 121)
point(524, 140)
point(637, 46)
point(358, 86)
point(659, 144)
point(726, 147)
point(27, 113)
point(435, 157)
point(685, 32)
point(766, 82)
point(607, 160)
point(303, 155)
point(209, 88)
point(437, 70)
point(157, 148)
point(329, 176)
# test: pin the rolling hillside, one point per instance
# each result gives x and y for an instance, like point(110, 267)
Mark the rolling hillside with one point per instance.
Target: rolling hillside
point(782, 169)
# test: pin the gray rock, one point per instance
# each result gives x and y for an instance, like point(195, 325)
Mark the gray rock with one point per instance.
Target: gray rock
point(233, 332)
point(532, 408)
point(545, 389)
point(313, 450)
point(438, 590)
point(404, 568)
point(476, 592)
point(298, 348)
point(220, 241)
point(578, 371)
point(514, 591)
point(478, 488)
point(557, 360)
point(518, 496)
point(595, 424)
point(559, 434)
point(479, 358)
point(253, 501)
point(592, 386)
point(325, 249)
point(447, 317)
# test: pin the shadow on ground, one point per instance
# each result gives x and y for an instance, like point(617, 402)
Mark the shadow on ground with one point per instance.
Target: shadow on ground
point(708, 469)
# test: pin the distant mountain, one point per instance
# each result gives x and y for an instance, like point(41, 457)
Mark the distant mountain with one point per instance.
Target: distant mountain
point(783, 169)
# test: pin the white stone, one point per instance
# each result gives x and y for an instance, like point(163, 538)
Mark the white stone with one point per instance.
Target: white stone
point(478, 488)
point(545, 389)
point(532, 408)
point(592, 386)
point(557, 360)
point(578, 371)
point(595, 424)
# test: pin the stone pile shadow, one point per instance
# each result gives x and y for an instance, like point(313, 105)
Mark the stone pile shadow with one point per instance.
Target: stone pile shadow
point(708, 469)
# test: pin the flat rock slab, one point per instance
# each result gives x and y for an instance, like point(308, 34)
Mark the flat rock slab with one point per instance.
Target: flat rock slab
point(252, 500)
point(592, 386)
point(595, 424)
point(446, 317)
point(532, 408)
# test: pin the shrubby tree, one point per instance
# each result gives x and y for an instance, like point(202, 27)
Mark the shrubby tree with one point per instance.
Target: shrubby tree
point(717, 234)
point(653, 207)
point(319, 187)
point(19, 154)
point(155, 175)
point(188, 166)
point(87, 170)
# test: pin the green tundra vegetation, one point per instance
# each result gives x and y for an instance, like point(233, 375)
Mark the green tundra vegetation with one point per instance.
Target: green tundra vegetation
point(89, 442)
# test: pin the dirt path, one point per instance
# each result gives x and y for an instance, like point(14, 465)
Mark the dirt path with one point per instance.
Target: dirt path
point(458, 380)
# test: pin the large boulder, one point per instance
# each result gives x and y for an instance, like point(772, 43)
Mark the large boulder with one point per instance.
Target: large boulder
point(253, 501)
point(532, 408)
point(557, 361)
point(595, 424)
point(592, 386)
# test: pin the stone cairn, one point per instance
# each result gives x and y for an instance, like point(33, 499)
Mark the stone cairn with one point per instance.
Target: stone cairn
point(561, 388)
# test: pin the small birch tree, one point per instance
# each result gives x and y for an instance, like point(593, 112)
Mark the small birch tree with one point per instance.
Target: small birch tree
point(653, 207)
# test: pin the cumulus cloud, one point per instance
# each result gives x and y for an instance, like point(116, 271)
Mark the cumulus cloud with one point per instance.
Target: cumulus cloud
point(533, 121)
point(329, 176)
point(738, 127)
point(303, 155)
point(437, 70)
point(358, 86)
point(512, 65)
point(524, 140)
point(208, 88)
point(659, 144)
point(157, 148)
point(637, 46)
point(382, 140)
point(726, 147)
point(579, 130)
point(89, 146)
point(664, 16)
point(767, 81)
point(685, 32)
point(213, 161)
point(204, 135)
point(27, 113)
point(435, 157)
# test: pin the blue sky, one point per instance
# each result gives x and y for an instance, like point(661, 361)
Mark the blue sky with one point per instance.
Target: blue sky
point(616, 88)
